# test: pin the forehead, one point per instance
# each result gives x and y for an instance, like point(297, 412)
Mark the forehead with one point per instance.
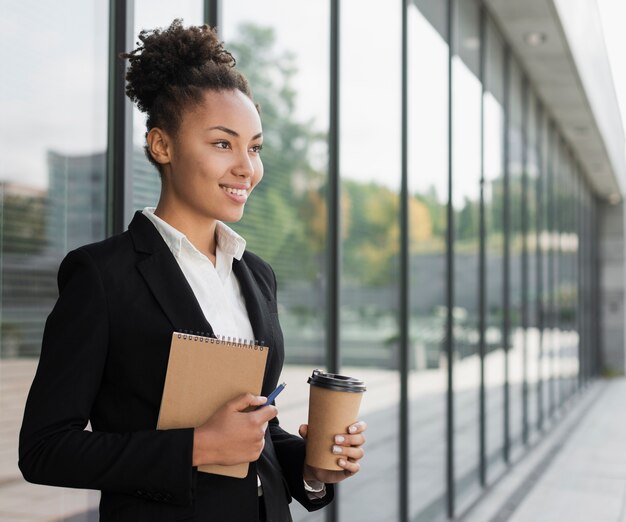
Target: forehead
point(232, 109)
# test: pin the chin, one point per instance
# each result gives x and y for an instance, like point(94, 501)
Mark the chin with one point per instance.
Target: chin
point(232, 218)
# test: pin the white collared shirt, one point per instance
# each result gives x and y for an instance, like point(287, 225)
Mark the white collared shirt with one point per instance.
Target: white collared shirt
point(216, 289)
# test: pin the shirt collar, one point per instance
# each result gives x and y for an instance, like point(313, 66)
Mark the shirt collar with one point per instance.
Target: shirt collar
point(228, 241)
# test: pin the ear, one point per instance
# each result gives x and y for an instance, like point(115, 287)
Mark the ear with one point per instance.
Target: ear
point(159, 145)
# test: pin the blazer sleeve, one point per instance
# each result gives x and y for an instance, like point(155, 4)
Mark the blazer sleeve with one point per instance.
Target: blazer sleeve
point(54, 447)
point(291, 451)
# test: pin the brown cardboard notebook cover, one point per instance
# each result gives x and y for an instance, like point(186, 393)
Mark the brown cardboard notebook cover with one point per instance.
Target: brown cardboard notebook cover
point(203, 373)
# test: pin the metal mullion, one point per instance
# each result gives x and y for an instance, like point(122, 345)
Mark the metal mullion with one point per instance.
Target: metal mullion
point(450, 279)
point(558, 209)
point(550, 226)
point(506, 219)
point(578, 216)
point(212, 14)
point(582, 274)
point(587, 342)
point(579, 274)
point(119, 131)
point(539, 261)
point(482, 253)
point(525, 95)
point(404, 282)
point(333, 264)
point(595, 293)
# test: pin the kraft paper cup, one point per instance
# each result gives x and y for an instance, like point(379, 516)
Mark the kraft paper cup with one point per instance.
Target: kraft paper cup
point(334, 402)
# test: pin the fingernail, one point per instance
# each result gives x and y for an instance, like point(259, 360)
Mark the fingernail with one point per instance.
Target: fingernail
point(337, 449)
point(342, 462)
point(352, 429)
point(339, 439)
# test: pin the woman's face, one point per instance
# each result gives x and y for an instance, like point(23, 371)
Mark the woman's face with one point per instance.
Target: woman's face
point(215, 158)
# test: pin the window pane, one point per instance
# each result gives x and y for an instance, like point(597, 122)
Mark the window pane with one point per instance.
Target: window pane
point(428, 195)
point(370, 185)
point(145, 185)
point(566, 289)
point(52, 189)
point(285, 219)
point(465, 197)
point(531, 334)
point(493, 196)
point(543, 204)
point(552, 209)
point(516, 330)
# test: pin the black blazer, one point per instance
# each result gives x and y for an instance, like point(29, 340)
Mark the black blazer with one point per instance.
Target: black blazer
point(104, 358)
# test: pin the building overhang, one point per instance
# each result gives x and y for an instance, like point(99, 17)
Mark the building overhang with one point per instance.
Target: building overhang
point(560, 45)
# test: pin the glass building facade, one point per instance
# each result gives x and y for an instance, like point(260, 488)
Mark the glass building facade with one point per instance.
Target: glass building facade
point(430, 227)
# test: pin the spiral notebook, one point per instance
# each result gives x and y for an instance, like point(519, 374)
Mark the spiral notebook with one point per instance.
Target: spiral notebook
point(203, 373)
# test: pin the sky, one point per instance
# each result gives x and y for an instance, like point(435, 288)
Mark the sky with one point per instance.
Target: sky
point(57, 96)
point(613, 15)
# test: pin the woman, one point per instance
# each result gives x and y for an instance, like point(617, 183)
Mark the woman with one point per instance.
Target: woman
point(106, 342)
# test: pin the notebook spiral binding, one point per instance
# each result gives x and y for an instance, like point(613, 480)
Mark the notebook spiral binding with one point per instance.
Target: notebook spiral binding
point(205, 337)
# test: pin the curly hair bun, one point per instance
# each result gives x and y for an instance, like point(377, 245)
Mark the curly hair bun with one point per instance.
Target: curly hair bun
point(167, 60)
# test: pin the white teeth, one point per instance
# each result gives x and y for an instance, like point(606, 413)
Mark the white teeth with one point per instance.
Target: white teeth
point(236, 192)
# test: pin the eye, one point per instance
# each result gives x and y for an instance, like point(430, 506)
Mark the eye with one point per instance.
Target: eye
point(257, 148)
point(222, 144)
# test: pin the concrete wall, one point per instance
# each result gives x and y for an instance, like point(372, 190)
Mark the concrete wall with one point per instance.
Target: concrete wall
point(612, 276)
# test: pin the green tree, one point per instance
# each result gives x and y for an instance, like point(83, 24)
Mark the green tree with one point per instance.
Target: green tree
point(281, 221)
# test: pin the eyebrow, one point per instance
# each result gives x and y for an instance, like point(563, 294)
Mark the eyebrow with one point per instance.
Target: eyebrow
point(232, 132)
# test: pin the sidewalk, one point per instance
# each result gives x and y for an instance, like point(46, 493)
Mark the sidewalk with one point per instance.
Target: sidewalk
point(576, 474)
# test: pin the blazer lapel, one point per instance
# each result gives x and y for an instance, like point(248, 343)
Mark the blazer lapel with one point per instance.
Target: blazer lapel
point(166, 280)
point(256, 304)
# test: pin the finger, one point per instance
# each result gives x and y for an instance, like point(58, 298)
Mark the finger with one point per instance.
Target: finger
point(352, 454)
point(357, 427)
point(245, 401)
point(303, 430)
point(266, 413)
point(349, 467)
point(350, 440)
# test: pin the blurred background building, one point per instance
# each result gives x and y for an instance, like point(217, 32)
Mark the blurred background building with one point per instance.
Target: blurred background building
point(442, 204)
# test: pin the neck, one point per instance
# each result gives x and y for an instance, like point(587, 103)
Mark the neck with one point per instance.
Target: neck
point(200, 230)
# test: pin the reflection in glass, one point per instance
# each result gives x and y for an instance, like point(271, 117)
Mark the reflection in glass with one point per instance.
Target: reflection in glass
point(465, 199)
point(493, 201)
point(285, 219)
point(370, 214)
point(531, 359)
point(544, 199)
point(52, 189)
point(428, 194)
point(567, 285)
point(552, 322)
point(516, 337)
point(150, 14)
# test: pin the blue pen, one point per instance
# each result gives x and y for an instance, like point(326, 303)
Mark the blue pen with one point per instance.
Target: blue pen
point(273, 395)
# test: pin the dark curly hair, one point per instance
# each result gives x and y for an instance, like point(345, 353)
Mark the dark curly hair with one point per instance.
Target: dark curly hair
point(171, 69)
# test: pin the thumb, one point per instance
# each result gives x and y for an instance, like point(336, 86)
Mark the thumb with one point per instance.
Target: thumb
point(303, 430)
point(246, 401)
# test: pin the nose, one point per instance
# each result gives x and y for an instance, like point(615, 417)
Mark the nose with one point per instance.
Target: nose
point(244, 166)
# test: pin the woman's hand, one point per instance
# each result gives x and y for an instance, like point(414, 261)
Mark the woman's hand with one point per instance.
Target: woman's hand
point(349, 450)
point(233, 434)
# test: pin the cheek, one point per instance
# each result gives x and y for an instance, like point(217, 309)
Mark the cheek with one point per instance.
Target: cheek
point(258, 173)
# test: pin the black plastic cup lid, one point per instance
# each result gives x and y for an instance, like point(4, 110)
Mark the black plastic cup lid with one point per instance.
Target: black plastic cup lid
point(334, 381)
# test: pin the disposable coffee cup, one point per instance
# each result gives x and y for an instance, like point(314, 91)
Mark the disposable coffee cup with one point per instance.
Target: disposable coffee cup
point(334, 402)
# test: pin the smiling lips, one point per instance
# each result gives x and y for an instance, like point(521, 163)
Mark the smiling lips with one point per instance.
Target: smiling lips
point(240, 195)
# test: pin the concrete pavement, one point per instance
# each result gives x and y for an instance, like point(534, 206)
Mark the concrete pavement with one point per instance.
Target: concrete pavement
point(577, 473)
